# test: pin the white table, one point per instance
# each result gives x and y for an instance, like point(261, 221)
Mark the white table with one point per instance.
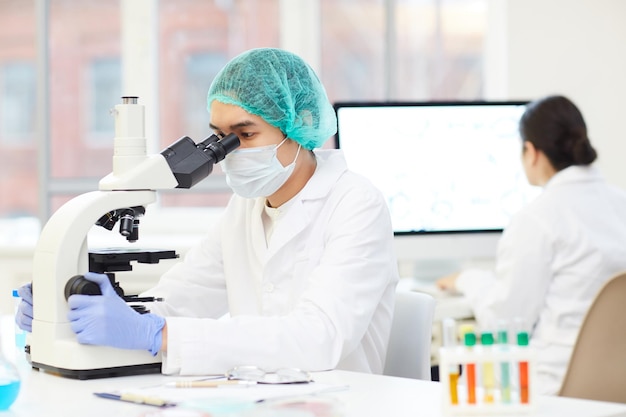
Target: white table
point(43, 394)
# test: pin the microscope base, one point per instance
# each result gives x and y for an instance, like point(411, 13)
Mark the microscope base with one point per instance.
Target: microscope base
point(83, 374)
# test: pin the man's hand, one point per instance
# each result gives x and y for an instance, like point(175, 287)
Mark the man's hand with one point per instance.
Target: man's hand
point(24, 314)
point(107, 320)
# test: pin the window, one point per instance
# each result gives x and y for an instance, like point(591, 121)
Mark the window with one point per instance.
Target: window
point(17, 101)
point(84, 84)
point(354, 54)
point(18, 114)
point(105, 88)
point(362, 50)
point(200, 69)
point(196, 39)
point(417, 50)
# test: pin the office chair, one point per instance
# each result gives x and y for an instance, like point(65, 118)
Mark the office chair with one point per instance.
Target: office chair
point(408, 352)
point(597, 368)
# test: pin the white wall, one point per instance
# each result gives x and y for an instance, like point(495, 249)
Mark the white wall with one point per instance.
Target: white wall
point(570, 47)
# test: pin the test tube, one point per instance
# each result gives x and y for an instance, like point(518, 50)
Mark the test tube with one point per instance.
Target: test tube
point(470, 368)
point(505, 370)
point(20, 335)
point(522, 340)
point(449, 340)
point(488, 374)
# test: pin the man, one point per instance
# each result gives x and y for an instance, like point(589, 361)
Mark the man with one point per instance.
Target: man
point(302, 258)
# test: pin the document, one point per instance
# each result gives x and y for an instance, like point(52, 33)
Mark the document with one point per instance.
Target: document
point(218, 398)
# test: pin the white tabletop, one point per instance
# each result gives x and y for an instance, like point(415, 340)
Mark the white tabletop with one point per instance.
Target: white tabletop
point(44, 394)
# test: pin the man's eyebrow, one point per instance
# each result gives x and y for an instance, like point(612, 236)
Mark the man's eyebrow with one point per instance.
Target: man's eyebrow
point(244, 123)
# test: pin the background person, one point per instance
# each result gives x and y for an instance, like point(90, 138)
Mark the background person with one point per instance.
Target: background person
point(558, 251)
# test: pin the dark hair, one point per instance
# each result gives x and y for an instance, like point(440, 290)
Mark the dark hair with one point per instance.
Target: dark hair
point(555, 126)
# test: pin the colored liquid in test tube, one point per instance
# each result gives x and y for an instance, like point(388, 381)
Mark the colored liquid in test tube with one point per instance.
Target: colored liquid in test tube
point(522, 340)
point(505, 368)
point(470, 369)
point(449, 340)
point(488, 374)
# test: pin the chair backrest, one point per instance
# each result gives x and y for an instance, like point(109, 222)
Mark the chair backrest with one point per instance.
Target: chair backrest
point(408, 352)
point(597, 368)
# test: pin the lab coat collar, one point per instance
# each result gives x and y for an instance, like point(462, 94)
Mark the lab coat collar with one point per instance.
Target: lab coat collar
point(573, 174)
point(330, 166)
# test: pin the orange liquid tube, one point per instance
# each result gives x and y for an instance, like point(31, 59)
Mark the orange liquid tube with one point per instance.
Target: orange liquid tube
point(522, 340)
point(471, 383)
point(523, 382)
point(470, 369)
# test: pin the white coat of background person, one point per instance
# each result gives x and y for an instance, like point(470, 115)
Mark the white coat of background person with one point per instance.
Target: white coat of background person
point(302, 258)
point(558, 251)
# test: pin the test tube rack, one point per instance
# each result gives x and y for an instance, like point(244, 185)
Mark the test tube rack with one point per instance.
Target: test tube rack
point(505, 397)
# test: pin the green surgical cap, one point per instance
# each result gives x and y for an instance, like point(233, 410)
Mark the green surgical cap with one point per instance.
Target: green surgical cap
point(282, 89)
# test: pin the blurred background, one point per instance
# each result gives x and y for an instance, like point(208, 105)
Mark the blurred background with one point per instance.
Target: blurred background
point(64, 64)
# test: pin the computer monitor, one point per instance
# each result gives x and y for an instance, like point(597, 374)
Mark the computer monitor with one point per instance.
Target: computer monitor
point(450, 172)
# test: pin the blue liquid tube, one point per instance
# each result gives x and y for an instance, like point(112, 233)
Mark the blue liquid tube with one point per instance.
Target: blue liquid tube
point(9, 382)
point(20, 335)
point(505, 367)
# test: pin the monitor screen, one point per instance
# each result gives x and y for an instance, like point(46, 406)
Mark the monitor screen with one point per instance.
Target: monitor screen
point(443, 167)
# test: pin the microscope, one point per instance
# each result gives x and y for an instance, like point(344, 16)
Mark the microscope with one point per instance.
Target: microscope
point(62, 253)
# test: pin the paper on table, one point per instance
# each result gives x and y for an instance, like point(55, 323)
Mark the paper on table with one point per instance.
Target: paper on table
point(241, 393)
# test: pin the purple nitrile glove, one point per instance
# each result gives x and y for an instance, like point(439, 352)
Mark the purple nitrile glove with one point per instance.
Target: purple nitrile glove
point(24, 314)
point(107, 320)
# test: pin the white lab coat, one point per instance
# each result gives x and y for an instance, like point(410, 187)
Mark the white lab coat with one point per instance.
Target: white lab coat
point(321, 296)
point(552, 260)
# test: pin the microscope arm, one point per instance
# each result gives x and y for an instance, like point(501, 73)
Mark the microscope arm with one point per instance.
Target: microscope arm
point(62, 250)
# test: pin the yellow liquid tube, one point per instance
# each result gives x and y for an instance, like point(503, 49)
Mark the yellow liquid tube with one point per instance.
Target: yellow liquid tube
point(450, 339)
point(489, 378)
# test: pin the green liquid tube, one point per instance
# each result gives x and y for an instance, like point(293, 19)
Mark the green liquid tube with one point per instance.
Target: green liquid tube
point(505, 369)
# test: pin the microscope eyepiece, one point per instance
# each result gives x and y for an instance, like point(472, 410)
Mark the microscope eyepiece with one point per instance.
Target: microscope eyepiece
point(190, 162)
point(219, 149)
point(205, 143)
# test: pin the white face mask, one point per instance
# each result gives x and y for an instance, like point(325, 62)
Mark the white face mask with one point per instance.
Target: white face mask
point(256, 172)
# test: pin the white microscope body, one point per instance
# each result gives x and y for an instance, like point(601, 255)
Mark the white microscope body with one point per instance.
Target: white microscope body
point(62, 250)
